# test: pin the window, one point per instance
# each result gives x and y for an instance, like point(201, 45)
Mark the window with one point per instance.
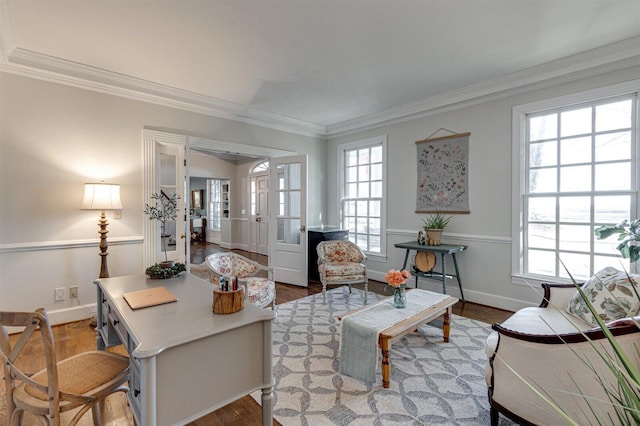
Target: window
point(216, 199)
point(577, 167)
point(362, 190)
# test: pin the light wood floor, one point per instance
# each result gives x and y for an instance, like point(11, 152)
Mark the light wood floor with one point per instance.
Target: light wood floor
point(78, 337)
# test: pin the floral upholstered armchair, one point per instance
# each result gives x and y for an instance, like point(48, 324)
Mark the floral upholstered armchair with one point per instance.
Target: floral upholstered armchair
point(341, 262)
point(259, 291)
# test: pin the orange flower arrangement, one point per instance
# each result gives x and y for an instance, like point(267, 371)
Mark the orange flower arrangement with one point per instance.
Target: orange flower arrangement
point(397, 278)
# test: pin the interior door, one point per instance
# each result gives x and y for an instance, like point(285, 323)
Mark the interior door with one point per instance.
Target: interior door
point(259, 214)
point(171, 239)
point(288, 224)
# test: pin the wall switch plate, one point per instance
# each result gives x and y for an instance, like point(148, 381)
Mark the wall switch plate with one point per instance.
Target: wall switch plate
point(73, 292)
point(58, 294)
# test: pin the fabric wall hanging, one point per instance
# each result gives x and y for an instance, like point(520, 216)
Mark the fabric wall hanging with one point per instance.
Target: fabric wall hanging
point(443, 174)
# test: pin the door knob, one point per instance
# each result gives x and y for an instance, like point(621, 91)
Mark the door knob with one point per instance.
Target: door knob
point(303, 228)
point(258, 219)
point(182, 236)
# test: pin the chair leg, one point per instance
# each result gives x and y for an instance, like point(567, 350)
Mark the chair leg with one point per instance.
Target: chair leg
point(495, 416)
point(96, 412)
point(366, 290)
point(349, 288)
point(324, 293)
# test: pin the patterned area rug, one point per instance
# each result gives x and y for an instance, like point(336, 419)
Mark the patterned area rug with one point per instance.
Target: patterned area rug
point(432, 382)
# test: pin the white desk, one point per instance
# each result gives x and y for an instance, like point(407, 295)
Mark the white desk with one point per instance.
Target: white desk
point(185, 361)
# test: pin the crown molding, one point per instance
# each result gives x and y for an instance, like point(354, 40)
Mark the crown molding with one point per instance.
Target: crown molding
point(70, 73)
point(595, 62)
point(613, 57)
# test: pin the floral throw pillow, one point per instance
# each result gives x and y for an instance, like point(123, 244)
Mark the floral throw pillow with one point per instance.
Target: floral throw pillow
point(611, 294)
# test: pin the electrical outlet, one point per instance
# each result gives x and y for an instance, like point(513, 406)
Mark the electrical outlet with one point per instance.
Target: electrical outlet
point(73, 292)
point(58, 294)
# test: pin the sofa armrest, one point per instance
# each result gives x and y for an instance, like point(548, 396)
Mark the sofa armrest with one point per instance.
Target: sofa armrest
point(557, 295)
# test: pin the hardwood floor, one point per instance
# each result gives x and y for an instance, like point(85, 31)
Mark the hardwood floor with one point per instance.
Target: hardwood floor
point(78, 337)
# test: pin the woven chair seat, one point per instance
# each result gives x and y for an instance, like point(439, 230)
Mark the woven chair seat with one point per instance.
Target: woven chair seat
point(82, 373)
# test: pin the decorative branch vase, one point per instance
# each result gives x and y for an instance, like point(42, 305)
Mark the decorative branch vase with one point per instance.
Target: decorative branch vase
point(400, 297)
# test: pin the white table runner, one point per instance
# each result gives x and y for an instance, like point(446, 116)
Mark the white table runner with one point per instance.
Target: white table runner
point(360, 331)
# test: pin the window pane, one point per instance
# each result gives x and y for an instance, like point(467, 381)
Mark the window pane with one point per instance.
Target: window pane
point(376, 154)
point(363, 156)
point(543, 180)
point(361, 241)
point(616, 115)
point(361, 225)
point(349, 208)
point(613, 176)
point(575, 150)
point(542, 209)
point(601, 262)
point(575, 178)
point(576, 122)
point(542, 236)
point(350, 224)
point(576, 264)
point(575, 237)
point(376, 189)
point(362, 208)
point(351, 174)
point(374, 226)
point(374, 208)
point(575, 209)
point(351, 190)
point(351, 158)
point(363, 190)
point(363, 173)
point(541, 262)
point(612, 209)
point(376, 172)
point(544, 127)
point(543, 154)
point(374, 244)
point(613, 146)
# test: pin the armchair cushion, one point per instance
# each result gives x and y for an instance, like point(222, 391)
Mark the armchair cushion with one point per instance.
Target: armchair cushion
point(342, 270)
point(612, 295)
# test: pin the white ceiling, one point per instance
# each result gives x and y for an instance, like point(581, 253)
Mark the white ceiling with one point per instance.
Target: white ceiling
point(318, 67)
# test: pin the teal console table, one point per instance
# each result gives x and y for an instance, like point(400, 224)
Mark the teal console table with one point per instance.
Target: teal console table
point(443, 250)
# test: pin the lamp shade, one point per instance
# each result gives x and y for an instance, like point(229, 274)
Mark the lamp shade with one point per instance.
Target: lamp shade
point(101, 196)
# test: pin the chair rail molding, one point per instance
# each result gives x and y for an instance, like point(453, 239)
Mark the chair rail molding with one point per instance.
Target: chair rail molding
point(67, 244)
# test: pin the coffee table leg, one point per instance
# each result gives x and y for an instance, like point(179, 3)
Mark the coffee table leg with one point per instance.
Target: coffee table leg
point(386, 369)
point(446, 325)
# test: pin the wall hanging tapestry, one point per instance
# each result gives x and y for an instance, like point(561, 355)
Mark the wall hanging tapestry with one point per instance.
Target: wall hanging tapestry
point(443, 172)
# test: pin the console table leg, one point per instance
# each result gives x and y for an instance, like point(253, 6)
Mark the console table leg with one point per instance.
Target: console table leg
point(455, 263)
point(444, 273)
point(386, 369)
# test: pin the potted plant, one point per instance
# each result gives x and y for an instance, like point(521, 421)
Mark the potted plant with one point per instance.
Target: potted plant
point(434, 225)
point(164, 209)
point(628, 234)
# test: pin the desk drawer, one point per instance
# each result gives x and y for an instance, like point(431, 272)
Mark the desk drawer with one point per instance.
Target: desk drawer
point(109, 334)
point(133, 395)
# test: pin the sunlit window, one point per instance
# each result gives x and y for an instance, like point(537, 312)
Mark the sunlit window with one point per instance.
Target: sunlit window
point(579, 173)
point(362, 190)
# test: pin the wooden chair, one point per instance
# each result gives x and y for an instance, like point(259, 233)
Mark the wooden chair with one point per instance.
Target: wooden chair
point(341, 262)
point(259, 291)
point(83, 380)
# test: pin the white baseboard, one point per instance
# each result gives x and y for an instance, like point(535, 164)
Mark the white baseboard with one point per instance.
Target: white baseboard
point(76, 313)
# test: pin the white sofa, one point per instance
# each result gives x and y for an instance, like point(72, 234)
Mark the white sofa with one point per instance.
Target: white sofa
point(543, 345)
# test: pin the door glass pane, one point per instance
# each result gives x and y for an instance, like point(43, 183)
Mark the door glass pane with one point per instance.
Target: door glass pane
point(294, 176)
point(294, 203)
point(281, 203)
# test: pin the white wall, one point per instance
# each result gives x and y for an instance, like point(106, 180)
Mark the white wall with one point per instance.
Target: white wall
point(54, 138)
point(486, 266)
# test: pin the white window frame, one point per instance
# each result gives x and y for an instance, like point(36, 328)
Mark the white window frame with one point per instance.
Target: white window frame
point(214, 199)
point(363, 143)
point(519, 166)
